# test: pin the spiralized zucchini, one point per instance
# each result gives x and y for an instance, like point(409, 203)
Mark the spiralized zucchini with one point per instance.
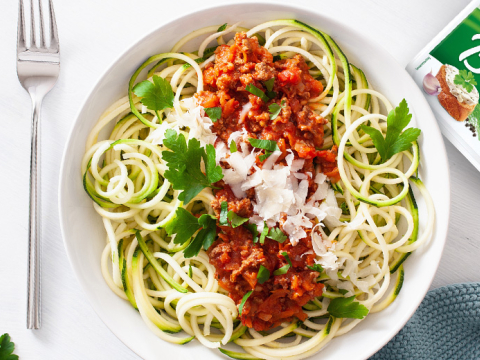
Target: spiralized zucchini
point(179, 298)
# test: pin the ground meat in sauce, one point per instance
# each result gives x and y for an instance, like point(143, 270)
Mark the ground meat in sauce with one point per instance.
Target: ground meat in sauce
point(237, 260)
point(246, 62)
point(236, 257)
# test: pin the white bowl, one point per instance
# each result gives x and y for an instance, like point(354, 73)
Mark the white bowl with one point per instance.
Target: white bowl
point(84, 234)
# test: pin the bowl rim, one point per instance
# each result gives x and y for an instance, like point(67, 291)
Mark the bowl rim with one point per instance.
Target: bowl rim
point(278, 6)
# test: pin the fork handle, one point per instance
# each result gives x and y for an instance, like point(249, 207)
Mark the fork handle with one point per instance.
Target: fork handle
point(33, 287)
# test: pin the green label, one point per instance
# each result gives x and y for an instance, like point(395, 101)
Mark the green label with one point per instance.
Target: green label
point(461, 48)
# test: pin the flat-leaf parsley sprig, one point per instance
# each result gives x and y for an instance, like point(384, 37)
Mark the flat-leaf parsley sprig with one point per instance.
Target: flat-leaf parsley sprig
point(347, 308)
point(465, 79)
point(157, 95)
point(6, 348)
point(395, 140)
point(185, 225)
point(184, 165)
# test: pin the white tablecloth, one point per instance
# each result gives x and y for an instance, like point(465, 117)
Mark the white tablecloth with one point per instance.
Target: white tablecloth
point(92, 34)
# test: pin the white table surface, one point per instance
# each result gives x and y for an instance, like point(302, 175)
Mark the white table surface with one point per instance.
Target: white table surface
point(92, 34)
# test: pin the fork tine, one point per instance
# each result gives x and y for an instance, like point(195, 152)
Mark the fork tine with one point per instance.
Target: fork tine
point(43, 44)
point(32, 26)
point(53, 28)
point(21, 28)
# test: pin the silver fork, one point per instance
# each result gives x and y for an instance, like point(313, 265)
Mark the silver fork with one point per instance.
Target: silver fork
point(37, 69)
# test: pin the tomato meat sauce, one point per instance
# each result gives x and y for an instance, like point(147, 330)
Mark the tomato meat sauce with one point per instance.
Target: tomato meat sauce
point(236, 255)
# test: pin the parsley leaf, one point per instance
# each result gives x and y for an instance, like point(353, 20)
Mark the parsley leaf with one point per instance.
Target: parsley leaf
point(244, 300)
point(285, 255)
point(265, 156)
point(205, 237)
point(221, 28)
point(282, 270)
point(264, 233)
point(316, 267)
point(235, 220)
point(253, 230)
point(395, 141)
point(214, 113)
point(269, 84)
point(263, 274)
point(184, 165)
point(252, 89)
point(233, 147)
point(347, 308)
point(274, 109)
point(6, 348)
point(277, 235)
point(270, 145)
point(342, 291)
point(157, 95)
point(223, 213)
point(212, 170)
point(184, 225)
point(465, 79)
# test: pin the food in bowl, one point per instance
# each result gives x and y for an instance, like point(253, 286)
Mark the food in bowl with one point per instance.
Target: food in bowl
point(228, 211)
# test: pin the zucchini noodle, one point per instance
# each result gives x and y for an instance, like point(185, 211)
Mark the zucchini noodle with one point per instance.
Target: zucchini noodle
point(179, 298)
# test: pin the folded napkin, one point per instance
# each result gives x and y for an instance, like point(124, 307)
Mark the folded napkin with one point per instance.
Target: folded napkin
point(445, 326)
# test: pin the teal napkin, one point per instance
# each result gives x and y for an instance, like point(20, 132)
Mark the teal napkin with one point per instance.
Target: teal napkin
point(445, 326)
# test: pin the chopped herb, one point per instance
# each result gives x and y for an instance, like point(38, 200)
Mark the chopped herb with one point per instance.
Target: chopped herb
point(285, 255)
point(465, 79)
point(252, 89)
point(269, 84)
point(347, 308)
point(315, 267)
point(277, 235)
point(395, 141)
point(6, 348)
point(275, 109)
point(223, 214)
point(244, 300)
point(253, 230)
point(233, 147)
point(155, 96)
point(235, 220)
point(264, 233)
point(342, 291)
point(270, 145)
point(282, 270)
point(214, 113)
point(263, 274)
point(277, 58)
point(265, 156)
point(221, 28)
point(184, 165)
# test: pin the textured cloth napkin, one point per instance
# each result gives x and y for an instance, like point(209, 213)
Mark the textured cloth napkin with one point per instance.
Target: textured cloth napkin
point(445, 326)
